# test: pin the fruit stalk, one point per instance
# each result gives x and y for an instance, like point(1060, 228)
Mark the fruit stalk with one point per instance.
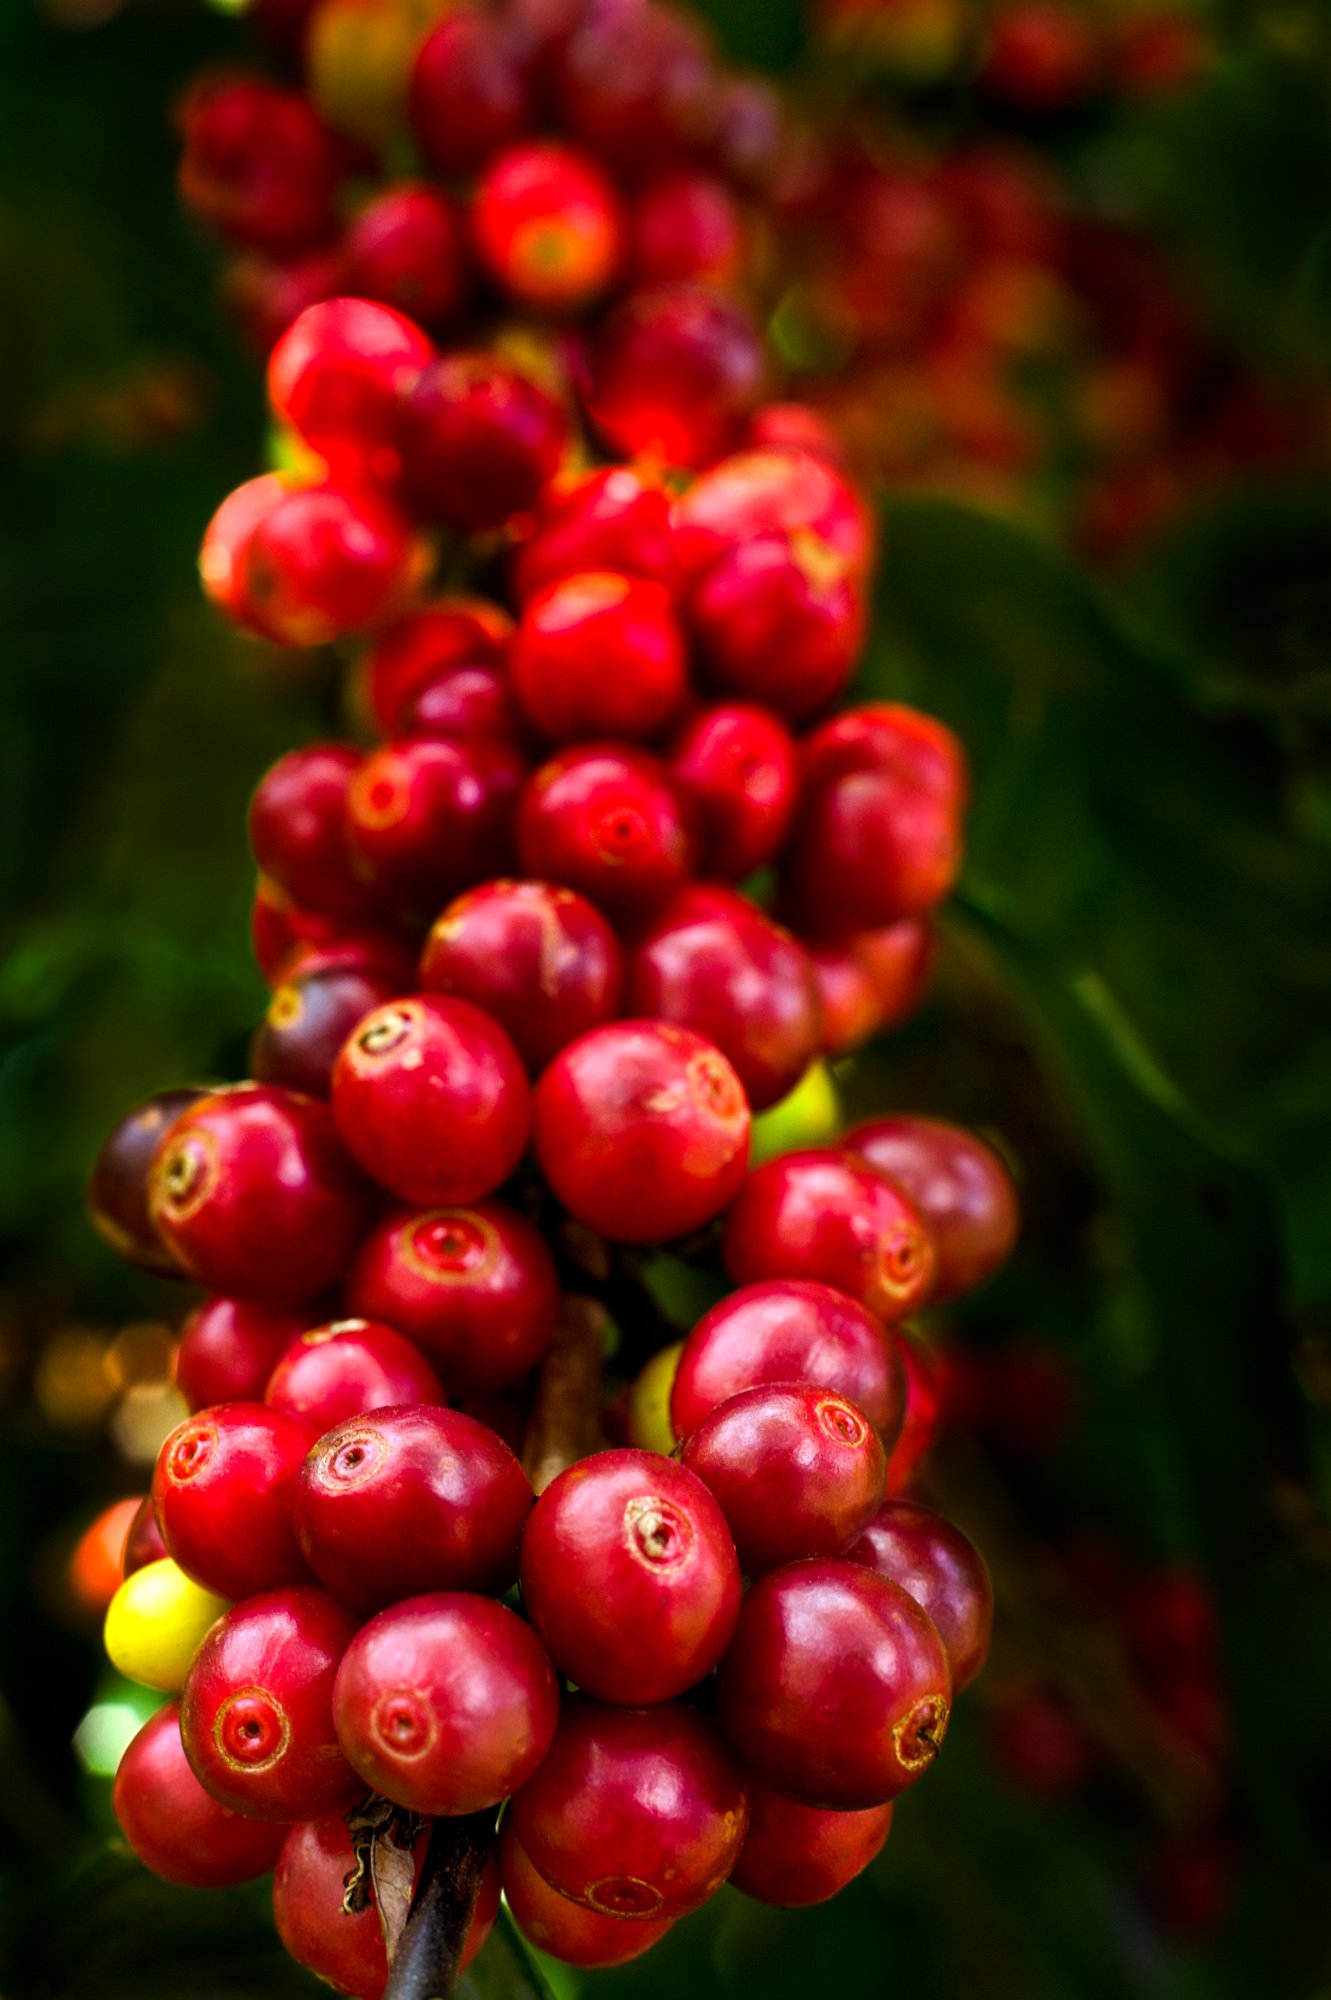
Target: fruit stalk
point(429, 1956)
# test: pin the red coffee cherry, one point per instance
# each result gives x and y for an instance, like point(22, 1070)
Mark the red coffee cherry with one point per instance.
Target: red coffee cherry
point(773, 492)
point(687, 228)
point(816, 1215)
point(470, 90)
point(428, 818)
point(343, 1370)
point(795, 1855)
point(432, 1099)
point(479, 442)
point(451, 633)
point(638, 85)
point(337, 373)
point(642, 1130)
point(599, 654)
point(673, 373)
point(229, 1347)
point(795, 427)
point(253, 1190)
point(406, 249)
point(174, 1826)
point(836, 1687)
point(779, 620)
point(1043, 57)
point(944, 1572)
point(143, 1543)
point(308, 1020)
point(258, 165)
point(118, 1185)
point(789, 1331)
point(542, 960)
point(298, 830)
point(446, 1704)
point(347, 1951)
point(408, 1500)
point(713, 963)
point(548, 226)
point(468, 705)
point(225, 547)
point(629, 1575)
point(562, 1928)
point(750, 137)
point(636, 1812)
point(872, 983)
point(604, 819)
point(734, 767)
point(223, 1490)
point(256, 1713)
point(924, 1409)
point(796, 1470)
point(615, 519)
point(958, 1185)
point(326, 561)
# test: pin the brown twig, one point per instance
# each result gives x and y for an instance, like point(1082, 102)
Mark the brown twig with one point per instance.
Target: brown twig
point(565, 1423)
point(429, 1955)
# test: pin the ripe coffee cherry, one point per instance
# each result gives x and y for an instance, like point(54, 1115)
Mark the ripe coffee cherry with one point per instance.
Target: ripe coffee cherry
point(872, 983)
point(428, 818)
point(143, 1543)
point(409, 657)
point(174, 1826)
point(479, 442)
point(779, 620)
point(673, 373)
point(468, 705)
point(1043, 57)
point(155, 1622)
point(772, 492)
point(328, 560)
point(638, 85)
point(562, 1928)
point(230, 1347)
point(836, 1688)
point(253, 1190)
point(687, 227)
point(734, 767)
point(542, 960)
point(797, 1471)
point(942, 1569)
point(636, 1812)
point(713, 963)
point(924, 1410)
point(308, 1020)
point(598, 654)
point(298, 830)
point(408, 1500)
point(223, 1490)
point(605, 820)
point(340, 1371)
point(406, 249)
point(337, 373)
point(347, 1951)
point(547, 226)
point(446, 1704)
point(256, 1714)
point(788, 1331)
point(118, 1186)
point(476, 1288)
point(642, 1130)
point(959, 1186)
point(225, 545)
point(816, 1215)
point(795, 1855)
point(615, 519)
point(629, 1575)
point(432, 1099)
point(470, 92)
point(258, 166)
point(750, 135)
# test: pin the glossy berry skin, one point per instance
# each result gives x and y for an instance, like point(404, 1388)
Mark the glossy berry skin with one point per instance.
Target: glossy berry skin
point(326, 561)
point(446, 1703)
point(470, 90)
point(256, 1714)
point(406, 249)
point(307, 1021)
point(772, 492)
point(255, 1193)
point(836, 1689)
point(337, 372)
point(603, 819)
point(541, 960)
point(547, 226)
point(788, 1331)
point(779, 621)
point(629, 1575)
point(734, 765)
point(615, 519)
point(795, 1855)
point(871, 983)
point(118, 1184)
point(475, 1288)
point(225, 544)
point(143, 1543)
point(347, 1951)
point(636, 1812)
point(411, 1499)
point(223, 1490)
point(432, 1099)
point(600, 654)
point(468, 705)
point(450, 633)
point(641, 1130)
point(479, 442)
point(428, 817)
point(796, 1470)
point(687, 227)
point(258, 166)
point(817, 1215)
point(713, 963)
point(958, 1185)
point(941, 1568)
point(673, 373)
point(562, 1928)
point(298, 829)
point(229, 1347)
point(174, 1826)
point(347, 1368)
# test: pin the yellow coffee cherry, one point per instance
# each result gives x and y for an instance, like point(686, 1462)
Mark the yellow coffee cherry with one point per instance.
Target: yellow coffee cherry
point(155, 1622)
point(809, 1115)
point(649, 1401)
point(358, 61)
